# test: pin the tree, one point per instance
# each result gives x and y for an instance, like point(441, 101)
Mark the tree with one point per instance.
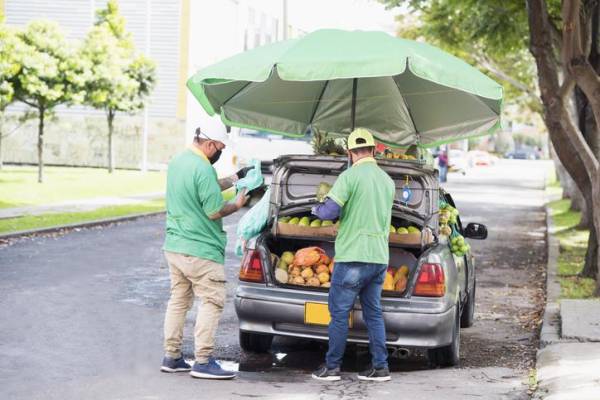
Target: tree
point(9, 67)
point(51, 74)
point(121, 80)
point(488, 30)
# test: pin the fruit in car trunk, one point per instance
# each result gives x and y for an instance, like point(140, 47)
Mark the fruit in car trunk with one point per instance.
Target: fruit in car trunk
point(313, 264)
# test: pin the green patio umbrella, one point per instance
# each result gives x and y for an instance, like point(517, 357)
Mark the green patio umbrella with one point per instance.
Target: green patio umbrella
point(332, 81)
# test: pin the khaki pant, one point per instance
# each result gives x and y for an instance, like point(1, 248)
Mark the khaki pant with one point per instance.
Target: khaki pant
point(193, 276)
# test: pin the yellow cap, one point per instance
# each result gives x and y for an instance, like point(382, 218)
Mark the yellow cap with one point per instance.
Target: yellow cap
point(360, 133)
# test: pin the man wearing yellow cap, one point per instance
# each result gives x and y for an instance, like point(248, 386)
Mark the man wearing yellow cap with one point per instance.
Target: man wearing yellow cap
point(362, 198)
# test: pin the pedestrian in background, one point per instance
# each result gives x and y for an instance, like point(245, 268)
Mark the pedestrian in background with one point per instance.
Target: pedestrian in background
point(443, 165)
point(194, 248)
point(362, 197)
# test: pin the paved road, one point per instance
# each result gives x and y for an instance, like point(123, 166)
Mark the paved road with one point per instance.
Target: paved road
point(81, 315)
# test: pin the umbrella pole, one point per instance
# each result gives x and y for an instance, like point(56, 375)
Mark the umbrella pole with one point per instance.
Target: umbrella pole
point(353, 109)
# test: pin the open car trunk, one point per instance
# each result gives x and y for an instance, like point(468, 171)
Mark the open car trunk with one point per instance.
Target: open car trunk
point(294, 187)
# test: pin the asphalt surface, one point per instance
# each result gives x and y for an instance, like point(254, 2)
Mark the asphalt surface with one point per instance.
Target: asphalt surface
point(81, 314)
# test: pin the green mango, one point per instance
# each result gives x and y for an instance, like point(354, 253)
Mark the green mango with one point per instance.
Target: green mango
point(316, 223)
point(294, 221)
point(327, 222)
point(392, 229)
point(412, 229)
point(304, 221)
point(402, 230)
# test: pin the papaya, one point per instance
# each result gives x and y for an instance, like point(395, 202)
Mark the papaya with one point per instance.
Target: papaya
point(388, 283)
point(403, 270)
point(323, 277)
point(400, 284)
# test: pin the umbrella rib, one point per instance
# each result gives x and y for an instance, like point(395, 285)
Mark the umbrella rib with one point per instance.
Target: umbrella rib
point(235, 94)
point(314, 113)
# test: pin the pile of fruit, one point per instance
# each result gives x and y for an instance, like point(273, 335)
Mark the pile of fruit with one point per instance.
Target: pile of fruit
point(448, 228)
point(398, 156)
point(448, 215)
point(458, 246)
point(309, 266)
point(403, 231)
point(305, 221)
point(396, 280)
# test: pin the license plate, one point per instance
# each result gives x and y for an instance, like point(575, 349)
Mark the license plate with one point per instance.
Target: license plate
point(318, 314)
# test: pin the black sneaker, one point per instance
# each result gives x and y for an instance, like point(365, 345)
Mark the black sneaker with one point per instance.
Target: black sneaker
point(375, 374)
point(170, 364)
point(325, 374)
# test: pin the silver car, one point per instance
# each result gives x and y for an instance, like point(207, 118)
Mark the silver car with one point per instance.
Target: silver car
point(416, 318)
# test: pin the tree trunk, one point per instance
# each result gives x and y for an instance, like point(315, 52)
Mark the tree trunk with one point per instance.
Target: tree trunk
point(590, 267)
point(572, 149)
point(111, 162)
point(42, 112)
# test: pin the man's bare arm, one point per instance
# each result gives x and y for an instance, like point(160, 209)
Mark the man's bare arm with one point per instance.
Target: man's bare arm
point(230, 208)
point(227, 182)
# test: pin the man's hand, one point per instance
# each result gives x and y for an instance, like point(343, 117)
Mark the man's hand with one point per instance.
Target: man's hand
point(242, 172)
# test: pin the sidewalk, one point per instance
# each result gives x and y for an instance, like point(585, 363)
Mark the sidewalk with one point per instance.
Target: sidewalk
point(568, 362)
point(78, 205)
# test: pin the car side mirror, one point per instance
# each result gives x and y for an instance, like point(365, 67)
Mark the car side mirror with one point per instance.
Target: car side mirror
point(475, 231)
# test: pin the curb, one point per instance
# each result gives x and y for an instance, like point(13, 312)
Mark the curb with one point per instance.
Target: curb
point(87, 224)
point(550, 332)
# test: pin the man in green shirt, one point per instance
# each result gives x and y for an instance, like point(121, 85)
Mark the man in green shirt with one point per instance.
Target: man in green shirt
point(362, 197)
point(195, 250)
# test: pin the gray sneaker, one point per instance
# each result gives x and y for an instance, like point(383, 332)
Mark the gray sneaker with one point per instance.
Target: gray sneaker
point(171, 364)
point(327, 374)
point(375, 374)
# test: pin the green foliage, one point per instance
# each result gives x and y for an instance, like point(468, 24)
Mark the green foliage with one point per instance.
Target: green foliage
point(52, 72)
point(526, 140)
point(489, 34)
point(9, 65)
point(120, 79)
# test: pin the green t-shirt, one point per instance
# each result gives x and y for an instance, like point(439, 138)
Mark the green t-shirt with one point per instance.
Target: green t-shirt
point(193, 193)
point(366, 194)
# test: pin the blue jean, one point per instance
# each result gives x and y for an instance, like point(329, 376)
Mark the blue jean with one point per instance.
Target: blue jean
point(350, 280)
point(443, 173)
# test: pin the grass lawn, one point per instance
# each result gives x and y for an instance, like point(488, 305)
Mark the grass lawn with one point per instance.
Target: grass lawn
point(49, 220)
point(573, 243)
point(19, 187)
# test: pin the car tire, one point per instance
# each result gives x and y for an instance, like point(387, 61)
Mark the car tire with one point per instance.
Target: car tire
point(254, 342)
point(448, 356)
point(467, 318)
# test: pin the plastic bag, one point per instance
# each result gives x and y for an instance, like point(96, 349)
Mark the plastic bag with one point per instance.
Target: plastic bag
point(253, 222)
point(253, 178)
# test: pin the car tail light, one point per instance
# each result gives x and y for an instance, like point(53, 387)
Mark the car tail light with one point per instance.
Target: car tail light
point(431, 281)
point(251, 268)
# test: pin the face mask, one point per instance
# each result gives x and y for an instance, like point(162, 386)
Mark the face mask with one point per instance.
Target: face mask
point(215, 157)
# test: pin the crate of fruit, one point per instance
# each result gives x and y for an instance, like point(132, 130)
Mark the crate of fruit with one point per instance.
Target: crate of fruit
point(305, 227)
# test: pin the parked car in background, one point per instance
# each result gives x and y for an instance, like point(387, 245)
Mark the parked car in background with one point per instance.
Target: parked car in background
point(524, 153)
point(478, 158)
point(243, 145)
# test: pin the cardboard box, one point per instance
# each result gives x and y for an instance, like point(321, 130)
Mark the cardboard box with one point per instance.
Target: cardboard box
point(305, 231)
point(410, 238)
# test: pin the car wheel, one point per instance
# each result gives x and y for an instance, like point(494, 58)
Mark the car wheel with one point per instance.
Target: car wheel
point(448, 356)
point(467, 318)
point(254, 342)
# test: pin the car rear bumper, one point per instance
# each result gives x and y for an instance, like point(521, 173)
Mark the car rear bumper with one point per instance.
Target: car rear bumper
point(278, 315)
